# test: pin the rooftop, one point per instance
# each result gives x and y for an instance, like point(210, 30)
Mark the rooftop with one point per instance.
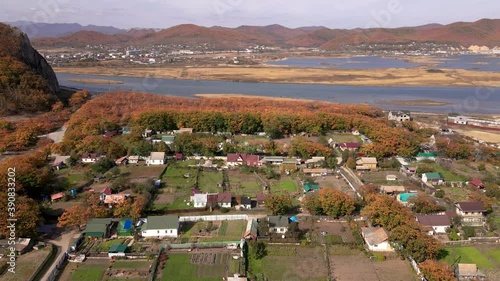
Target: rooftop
point(162, 222)
point(471, 206)
point(278, 221)
point(374, 235)
point(433, 220)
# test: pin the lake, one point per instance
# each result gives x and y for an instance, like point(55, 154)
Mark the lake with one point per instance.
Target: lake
point(468, 62)
point(462, 99)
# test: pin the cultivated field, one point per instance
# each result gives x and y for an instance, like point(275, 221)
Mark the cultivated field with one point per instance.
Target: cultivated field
point(333, 232)
point(486, 257)
point(92, 270)
point(213, 231)
point(202, 266)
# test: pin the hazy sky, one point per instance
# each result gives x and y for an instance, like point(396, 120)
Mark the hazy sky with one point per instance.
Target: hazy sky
point(231, 13)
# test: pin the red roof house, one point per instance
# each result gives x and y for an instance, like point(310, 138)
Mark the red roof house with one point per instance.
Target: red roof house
point(234, 159)
point(475, 182)
point(56, 196)
point(351, 146)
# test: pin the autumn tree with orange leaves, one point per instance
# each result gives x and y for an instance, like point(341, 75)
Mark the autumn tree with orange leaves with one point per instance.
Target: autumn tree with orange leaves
point(436, 271)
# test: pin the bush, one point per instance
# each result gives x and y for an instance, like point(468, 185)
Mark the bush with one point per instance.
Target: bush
point(469, 231)
point(439, 193)
point(224, 210)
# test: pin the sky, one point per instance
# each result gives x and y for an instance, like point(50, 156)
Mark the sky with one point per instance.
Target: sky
point(232, 13)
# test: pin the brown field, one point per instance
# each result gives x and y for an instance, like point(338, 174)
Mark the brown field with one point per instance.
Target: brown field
point(26, 265)
point(487, 136)
point(341, 229)
point(372, 77)
point(355, 266)
point(414, 102)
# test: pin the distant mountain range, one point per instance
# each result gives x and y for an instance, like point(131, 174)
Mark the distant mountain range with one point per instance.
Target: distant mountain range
point(483, 32)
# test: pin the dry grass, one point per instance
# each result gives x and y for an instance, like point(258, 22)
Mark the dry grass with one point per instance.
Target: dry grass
point(364, 77)
point(487, 136)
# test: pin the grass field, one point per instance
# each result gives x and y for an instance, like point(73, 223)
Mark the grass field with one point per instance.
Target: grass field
point(232, 230)
point(131, 264)
point(26, 265)
point(448, 175)
point(244, 184)
point(208, 181)
point(494, 254)
point(174, 177)
point(344, 138)
point(290, 263)
point(89, 272)
point(104, 246)
point(469, 255)
point(179, 268)
point(285, 185)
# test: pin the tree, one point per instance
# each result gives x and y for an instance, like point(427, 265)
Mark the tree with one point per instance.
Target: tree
point(424, 204)
point(279, 204)
point(259, 249)
point(312, 204)
point(368, 189)
point(436, 271)
point(335, 203)
point(102, 165)
point(293, 230)
point(385, 211)
point(121, 184)
point(351, 163)
point(469, 231)
point(409, 240)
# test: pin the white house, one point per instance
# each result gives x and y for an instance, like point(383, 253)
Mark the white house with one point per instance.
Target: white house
point(433, 178)
point(399, 116)
point(160, 226)
point(156, 158)
point(90, 157)
point(377, 239)
point(200, 200)
point(472, 213)
point(435, 223)
point(278, 224)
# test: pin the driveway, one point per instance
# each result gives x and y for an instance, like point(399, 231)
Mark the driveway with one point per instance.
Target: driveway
point(62, 243)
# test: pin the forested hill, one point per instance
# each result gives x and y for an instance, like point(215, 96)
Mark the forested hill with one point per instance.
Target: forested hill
point(27, 82)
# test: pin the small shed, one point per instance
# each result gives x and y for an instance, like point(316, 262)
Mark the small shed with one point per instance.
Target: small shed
point(117, 250)
point(308, 187)
point(56, 196)
point(98, 228)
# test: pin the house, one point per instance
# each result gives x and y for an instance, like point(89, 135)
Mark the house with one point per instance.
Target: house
point(60, 162)
point(278, 224)
point(261, 199)
point(272, 160)
point(156, 158)
point(56, 196)
point(314, 161)
point(117, 250)
point(351, 146)
point(160, 226)
point(377, 239)
point(236, 277)
point(21, 246)
point(468, 272)
point(438, 223)
point(385, 189)
point(243, 159)
point(399, 116)
point(409, 169)
point(125, 228)
point(114, 199)
point(308, 187)
point(244, 202)
point(105, 192)
point(355, 131)
point(426, 156)
point(477, 183)
point(289, 165)
point(168, 140)
point(90, 157)
point(433, 178)
point(315, 172)
point(121, 161)
point(212, 200)
point(133, 159)
point(462, 120)
point(472, 213)
point(200, 200)
point(98, 228)
point(391, 178)
point(366, 164)
point(251, 230)
point(224, 199)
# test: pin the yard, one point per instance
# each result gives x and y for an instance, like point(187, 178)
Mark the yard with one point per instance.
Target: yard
point(209, 180)
point(232, 230)
point(351, 264)
point(179, 175)
point(89, 272)
point(195, 267)
point(327, 232)
point(289, 263)
point(339, 138)
point(204, 231)
point(26, 265)
point(472, 254)
point(285, 185)
point(142, 171)
point(244, 184)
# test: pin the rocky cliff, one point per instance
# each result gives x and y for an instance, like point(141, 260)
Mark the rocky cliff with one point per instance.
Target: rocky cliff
point(16, 44)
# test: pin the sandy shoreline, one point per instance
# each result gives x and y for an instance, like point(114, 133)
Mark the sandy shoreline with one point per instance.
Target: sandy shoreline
point(419, 76)
point(95, 81)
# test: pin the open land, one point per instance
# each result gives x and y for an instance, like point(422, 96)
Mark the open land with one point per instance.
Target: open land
point(420, 76)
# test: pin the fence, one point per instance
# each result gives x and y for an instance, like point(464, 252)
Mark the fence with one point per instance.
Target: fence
point(214, 218)
point(56, 269)
point(414, 265)
point(154, 266)
point(203, 245)
point(474, 240)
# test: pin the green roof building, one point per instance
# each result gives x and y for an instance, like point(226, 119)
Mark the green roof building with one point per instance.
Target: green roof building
point(308, 187)
point(117, 250)
point(168, 139)
point(98, 228)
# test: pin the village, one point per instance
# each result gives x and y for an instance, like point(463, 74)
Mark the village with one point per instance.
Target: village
point(189, 216)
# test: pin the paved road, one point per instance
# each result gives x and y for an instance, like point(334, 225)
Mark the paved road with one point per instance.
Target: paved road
point(62, 243)
point(352, 178)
